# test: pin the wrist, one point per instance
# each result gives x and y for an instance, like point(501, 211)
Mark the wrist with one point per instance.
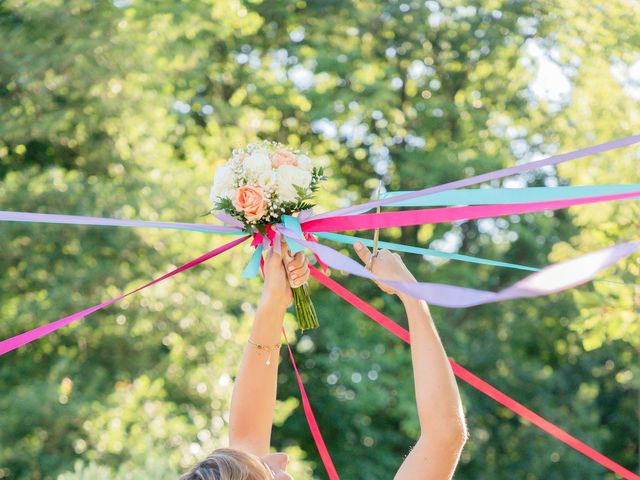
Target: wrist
point(272, 305)
point(405, 297)
point(409, 301)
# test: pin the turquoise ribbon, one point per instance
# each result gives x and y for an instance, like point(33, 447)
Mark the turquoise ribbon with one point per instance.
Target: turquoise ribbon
point(492, 196)
point(348, 239)
point(289, 222)
point(293, 224)
point(252, 268)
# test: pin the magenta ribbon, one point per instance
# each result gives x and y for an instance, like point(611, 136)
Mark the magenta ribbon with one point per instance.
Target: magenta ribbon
point(450, 214)
point(311, 419)
point(31, 335)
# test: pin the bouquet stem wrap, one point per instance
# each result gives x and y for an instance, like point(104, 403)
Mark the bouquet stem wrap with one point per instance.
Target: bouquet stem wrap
point(305, 311)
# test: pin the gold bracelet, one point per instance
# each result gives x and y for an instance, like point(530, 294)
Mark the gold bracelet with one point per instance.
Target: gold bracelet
point(267, 348)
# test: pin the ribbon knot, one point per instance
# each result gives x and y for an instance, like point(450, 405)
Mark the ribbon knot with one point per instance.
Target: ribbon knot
point(261, 242)
point(272, 238)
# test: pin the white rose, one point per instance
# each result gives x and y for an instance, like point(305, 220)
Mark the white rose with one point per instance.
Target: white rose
point(267, 180)
point(222, 184)
point(305, 162)
point(256, 164)
point(286, 177)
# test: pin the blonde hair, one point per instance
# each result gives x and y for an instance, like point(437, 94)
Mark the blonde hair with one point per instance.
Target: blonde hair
point(228, 464)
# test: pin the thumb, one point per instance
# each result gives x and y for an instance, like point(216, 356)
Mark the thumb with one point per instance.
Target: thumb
point(363, 252)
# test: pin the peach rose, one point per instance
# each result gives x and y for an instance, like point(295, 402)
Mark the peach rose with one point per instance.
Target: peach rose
point(282, 157)
point(251, 201)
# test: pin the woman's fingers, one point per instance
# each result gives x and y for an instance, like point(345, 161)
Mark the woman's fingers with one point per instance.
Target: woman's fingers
point(298, 269)
point(298, 272)
point(363, 252)
point(381, 260)
point(298, 261)
point(300, 277)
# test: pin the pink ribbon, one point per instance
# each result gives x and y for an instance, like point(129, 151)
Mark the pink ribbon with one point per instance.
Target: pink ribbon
point(31, 335)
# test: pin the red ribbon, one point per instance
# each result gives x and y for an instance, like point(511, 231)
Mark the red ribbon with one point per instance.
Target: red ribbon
point(311, 420)
point(477, 382)
point(258, 239)
point(271, 233)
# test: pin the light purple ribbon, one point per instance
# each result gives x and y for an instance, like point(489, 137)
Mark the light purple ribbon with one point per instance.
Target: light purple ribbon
point(228, 220)
point(551, 279)
point(114, 222)
point(485, 177)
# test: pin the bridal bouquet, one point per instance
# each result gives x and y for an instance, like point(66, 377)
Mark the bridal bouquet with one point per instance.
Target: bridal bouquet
point(257, 186)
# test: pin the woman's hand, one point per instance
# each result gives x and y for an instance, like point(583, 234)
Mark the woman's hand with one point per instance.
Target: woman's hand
point(278, 281)
point(385, 265)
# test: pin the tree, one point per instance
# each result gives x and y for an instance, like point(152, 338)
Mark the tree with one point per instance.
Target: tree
point(125, 110)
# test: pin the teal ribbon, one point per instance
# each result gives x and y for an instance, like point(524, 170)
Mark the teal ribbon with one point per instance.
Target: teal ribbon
point(348, 239)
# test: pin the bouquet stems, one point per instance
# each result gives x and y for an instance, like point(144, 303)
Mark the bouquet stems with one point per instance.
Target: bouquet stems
point(305, 312)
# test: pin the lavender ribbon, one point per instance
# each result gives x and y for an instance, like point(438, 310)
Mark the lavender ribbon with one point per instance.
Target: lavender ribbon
point(485, 177)
point(114, 222)
point(228, 220)
point(551, 279)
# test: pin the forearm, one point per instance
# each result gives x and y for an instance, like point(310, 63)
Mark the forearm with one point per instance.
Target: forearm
point(437, 396)
point(254, 393)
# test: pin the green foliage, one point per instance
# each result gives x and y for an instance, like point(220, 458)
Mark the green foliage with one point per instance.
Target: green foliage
point(125, 109)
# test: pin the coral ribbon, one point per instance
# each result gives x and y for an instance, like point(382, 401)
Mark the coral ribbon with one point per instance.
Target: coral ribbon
point(477, 382)
point(311, 419)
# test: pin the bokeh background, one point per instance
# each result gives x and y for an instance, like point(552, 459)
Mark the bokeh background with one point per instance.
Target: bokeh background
point(125, 108)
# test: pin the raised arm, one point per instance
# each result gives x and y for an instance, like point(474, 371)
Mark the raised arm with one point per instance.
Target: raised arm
point(442, 422)
point(254, 393)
